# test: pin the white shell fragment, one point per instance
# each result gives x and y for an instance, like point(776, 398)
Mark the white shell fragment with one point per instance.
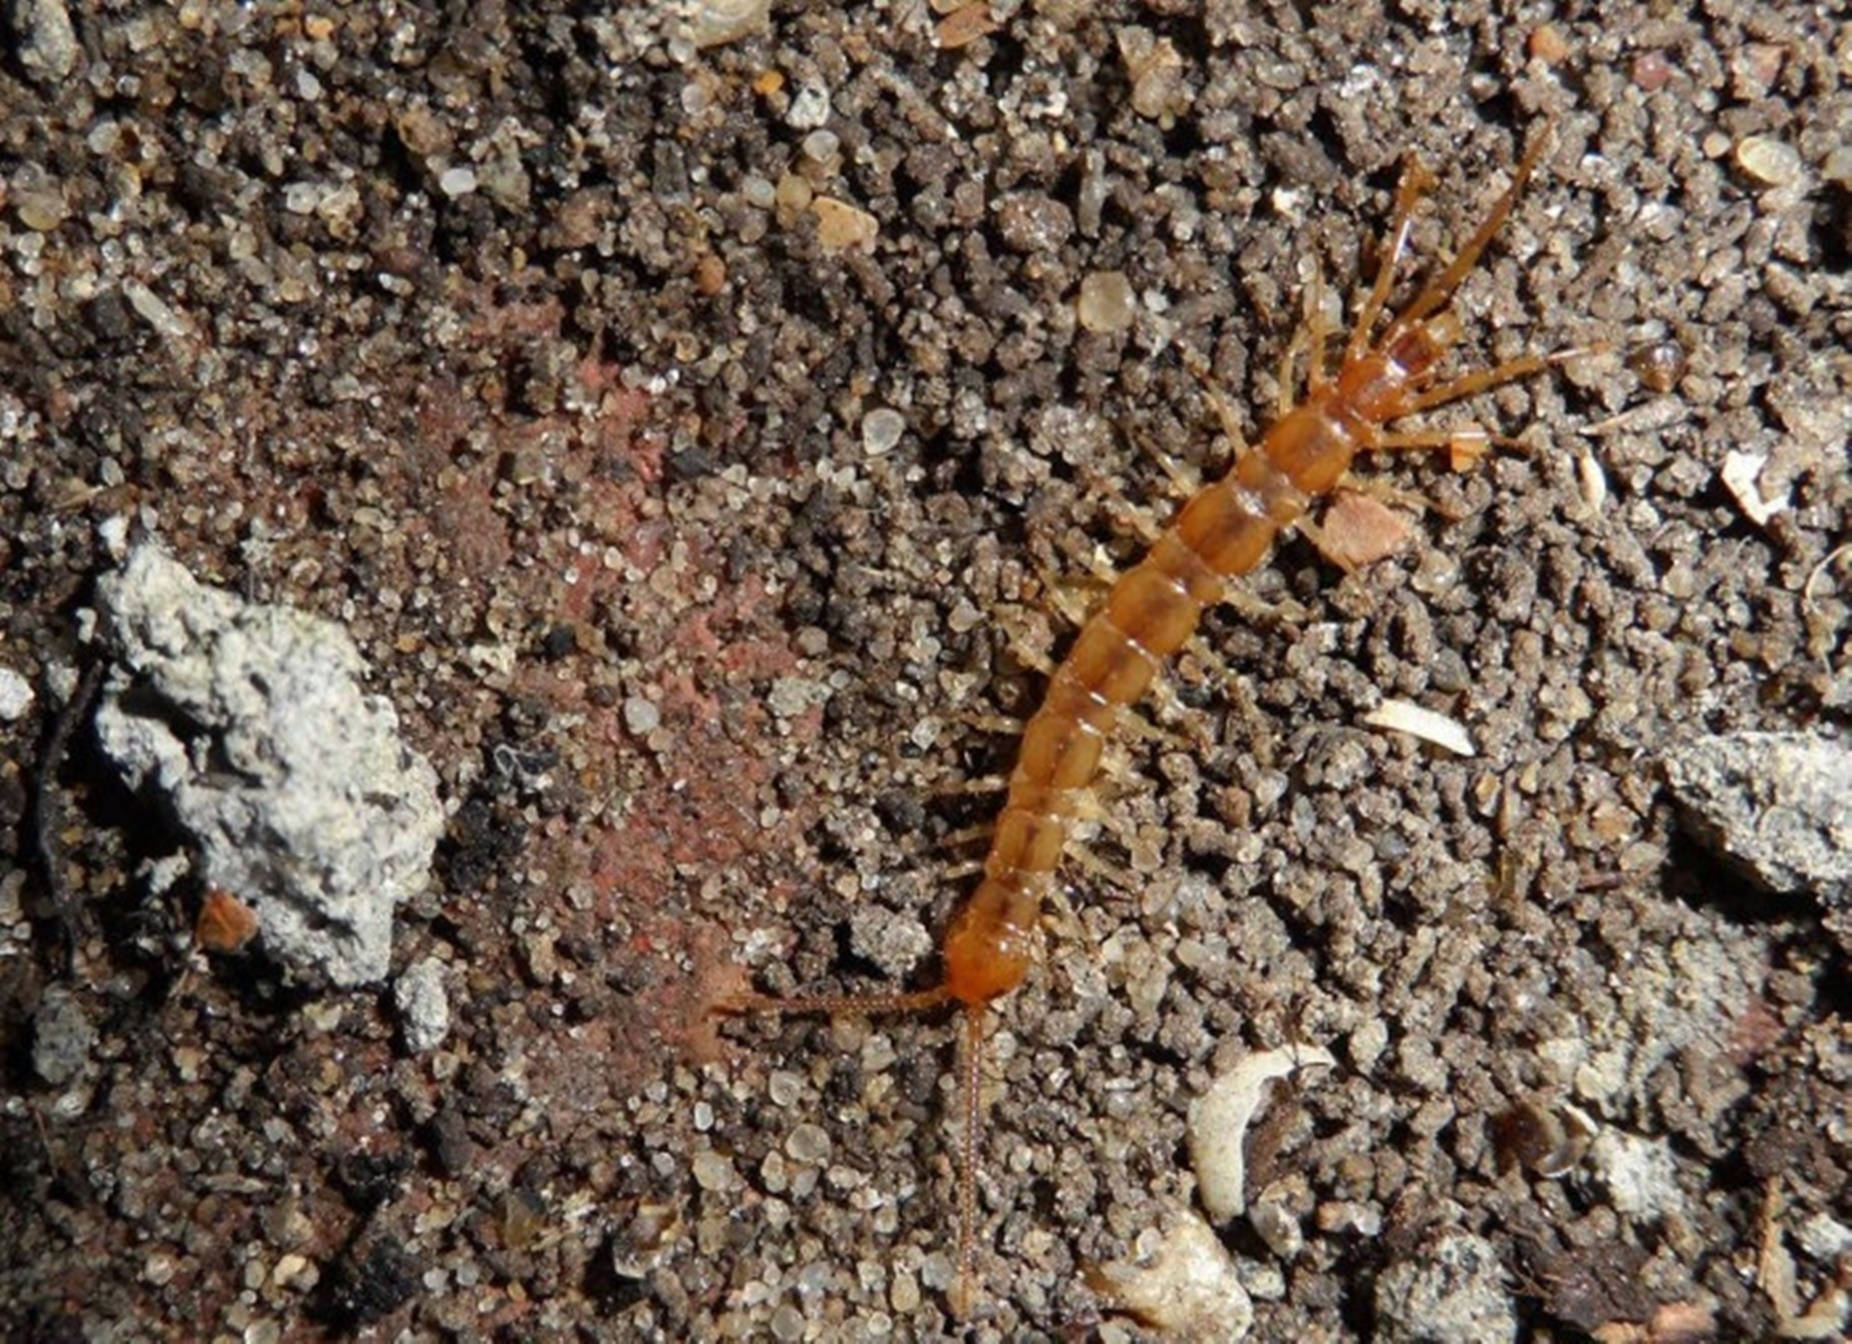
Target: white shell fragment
point(1219, 1121)
point(1592, 480)
point(1181, 1280)
point(716, 22)
point(1740, 473)
point(1404, 717)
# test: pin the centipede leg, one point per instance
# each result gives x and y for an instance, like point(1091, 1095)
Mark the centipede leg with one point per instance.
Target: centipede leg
point(1223, 408)
point(1466, 445)
point(963, 1295)
point(1316, 331)
point(1003, 725)
point(1322, 543)
point(967, 835)
point(1110, 873)
point(1072, 605)
point(832, 1005)
point(1454, 389)
point(964, 788)
point(1310, 338)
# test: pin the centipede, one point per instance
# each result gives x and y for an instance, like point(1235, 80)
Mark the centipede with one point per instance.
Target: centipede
point(1224, 531)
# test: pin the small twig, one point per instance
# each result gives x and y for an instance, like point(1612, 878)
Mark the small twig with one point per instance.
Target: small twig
point(48, 807)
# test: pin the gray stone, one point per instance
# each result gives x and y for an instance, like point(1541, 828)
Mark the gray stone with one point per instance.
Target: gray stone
point(250, 722)
point(1639, 1173)
point(61, 1037)
point(894, 942)
point(15, 695)
point(48, 47)
point(1452, 1294)
point(1778, 808)
point(424, 1010)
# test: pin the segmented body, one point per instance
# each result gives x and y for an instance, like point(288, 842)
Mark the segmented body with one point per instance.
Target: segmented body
point(1225, 530)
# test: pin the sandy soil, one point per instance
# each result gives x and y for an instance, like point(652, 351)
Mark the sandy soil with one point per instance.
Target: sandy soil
point(551, 354)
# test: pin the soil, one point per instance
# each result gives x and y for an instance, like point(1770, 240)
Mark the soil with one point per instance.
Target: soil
point(553, 354)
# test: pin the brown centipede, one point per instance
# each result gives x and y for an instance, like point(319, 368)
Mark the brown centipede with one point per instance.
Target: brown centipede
point(1224, 531)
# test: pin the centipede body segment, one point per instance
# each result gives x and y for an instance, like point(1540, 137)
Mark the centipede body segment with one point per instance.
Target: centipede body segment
point(1224, 531)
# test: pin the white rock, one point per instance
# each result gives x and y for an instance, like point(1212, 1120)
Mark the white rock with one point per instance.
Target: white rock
point(251, 722)
point(424, 1010)
point(1640, 1174)
point(1181, 1280)
point(15, 695)
point(1453, 1292)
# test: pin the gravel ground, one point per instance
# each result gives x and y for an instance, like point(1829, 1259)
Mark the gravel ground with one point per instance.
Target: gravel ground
point(701, 442)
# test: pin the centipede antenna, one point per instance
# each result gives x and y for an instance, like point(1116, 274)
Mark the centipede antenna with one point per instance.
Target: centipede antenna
point(1438, 290)
point(1395, 241)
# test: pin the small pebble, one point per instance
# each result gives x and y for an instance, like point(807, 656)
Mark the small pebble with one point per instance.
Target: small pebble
point(424, 1010)
point(712, 1171)
point(720, 21)
point(881, 430)
point(457, 182)
point(150, 307)
point(40, 210)
point(808, 1143)
point(1107, 303)
point(787, 1323)
point(15, 695)
point(1547, 44)
point(48, 47)
point(841, 226)
point(822, 146)
point(641, 716)
point(784, 1087)
point(793, 193)
point(810, 108)
point(1769, 160)
point(904, 1296)
point(62, 1037)
point(791, 696)
point(710, 275)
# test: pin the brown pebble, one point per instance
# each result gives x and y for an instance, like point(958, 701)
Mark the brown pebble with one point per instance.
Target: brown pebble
point(841, 226)
point(1651, 71)
point(710, 275)
point(1358, 530)
point(1547, 44)
point(964, 26)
